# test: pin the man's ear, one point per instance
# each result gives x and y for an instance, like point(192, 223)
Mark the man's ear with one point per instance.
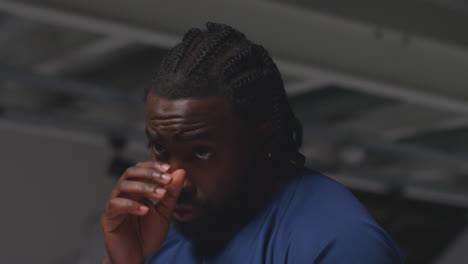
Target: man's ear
point(264, 135)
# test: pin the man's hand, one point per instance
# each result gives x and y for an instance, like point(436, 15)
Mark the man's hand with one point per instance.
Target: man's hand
point(133, 226)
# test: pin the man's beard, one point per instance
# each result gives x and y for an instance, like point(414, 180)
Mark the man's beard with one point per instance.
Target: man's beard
point(213, 219)
point(211, 232)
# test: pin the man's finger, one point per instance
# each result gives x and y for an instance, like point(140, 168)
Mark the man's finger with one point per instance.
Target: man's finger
point(118, 206)
point(148, 174)
point(163, 167)
point(140, 189)
point(166, 206)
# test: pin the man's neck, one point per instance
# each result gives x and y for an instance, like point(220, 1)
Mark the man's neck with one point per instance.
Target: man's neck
point(267, 184)
point(243, 209)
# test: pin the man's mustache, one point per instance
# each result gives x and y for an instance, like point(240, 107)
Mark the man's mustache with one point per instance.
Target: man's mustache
point(190, 200)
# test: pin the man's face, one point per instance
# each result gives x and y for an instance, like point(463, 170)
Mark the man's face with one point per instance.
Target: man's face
point(207, 138)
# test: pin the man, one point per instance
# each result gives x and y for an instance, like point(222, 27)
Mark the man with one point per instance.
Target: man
point(226, 171)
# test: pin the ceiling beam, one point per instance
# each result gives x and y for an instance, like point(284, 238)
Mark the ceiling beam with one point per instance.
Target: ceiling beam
point(11, 26)
point(440, 126)
point(74, 88)
point(83, 131)
point(83, 56)
point(413, 192)
point(37, 12)
point(408, 151)
point(443, 20)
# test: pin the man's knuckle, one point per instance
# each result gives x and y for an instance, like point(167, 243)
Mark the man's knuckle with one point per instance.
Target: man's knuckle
point(111, 204)
point(149, 188)
point(121, 186)
point(158, 165)
point(158, 175)
point(128, 171)
point(129, 203)
point(151, 174)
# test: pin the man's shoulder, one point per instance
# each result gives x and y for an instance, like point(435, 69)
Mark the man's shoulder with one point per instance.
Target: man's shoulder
point(314, 195)
point(319, 202)
point(325, 214)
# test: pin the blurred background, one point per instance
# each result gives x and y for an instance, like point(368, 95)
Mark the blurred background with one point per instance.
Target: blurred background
point(380, 86)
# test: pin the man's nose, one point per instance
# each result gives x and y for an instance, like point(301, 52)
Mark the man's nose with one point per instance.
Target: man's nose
point(189, 186)
point(175, 165)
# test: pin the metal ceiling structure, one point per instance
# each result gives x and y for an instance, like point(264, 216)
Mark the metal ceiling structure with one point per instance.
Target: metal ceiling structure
point(382, 92)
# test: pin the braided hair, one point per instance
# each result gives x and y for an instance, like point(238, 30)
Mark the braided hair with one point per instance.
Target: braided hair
point(223, 62)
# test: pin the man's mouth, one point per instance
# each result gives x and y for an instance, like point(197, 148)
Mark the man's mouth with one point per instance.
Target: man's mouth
point(186, 213)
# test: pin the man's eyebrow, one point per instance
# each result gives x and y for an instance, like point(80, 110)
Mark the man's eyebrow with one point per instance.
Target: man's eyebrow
point(193, 135)
point(152, 137)
point(182, 136)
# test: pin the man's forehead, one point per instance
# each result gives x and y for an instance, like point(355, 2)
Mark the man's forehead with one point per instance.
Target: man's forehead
point(209, 108)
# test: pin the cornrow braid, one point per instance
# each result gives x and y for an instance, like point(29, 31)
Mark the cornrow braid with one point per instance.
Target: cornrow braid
point(223, 62)
point(236, 63)
point(211, 48)
point(187, 41)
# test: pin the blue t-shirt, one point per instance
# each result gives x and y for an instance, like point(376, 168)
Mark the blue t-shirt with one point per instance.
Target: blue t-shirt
point(311, 219)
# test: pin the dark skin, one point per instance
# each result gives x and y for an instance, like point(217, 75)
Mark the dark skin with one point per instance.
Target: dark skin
point(205, 157)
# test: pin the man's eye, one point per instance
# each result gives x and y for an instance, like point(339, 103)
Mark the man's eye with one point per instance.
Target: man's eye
point(158, 148)
point(203, 153)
